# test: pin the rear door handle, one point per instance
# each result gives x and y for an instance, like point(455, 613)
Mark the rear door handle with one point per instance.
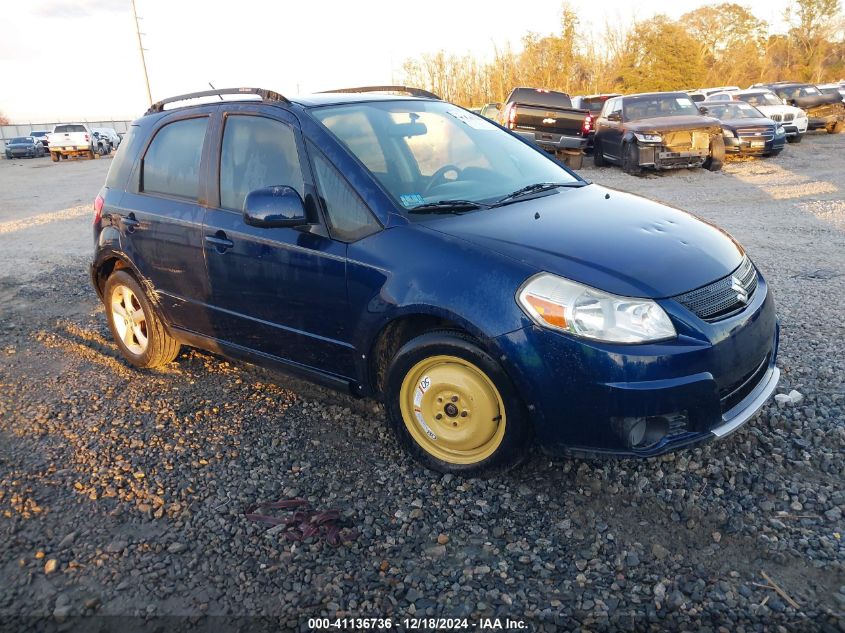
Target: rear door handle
point(220, 242)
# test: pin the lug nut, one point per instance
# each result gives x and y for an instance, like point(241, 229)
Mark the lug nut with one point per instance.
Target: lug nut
point(438, 416)
point(463, 414)
point(454, 398)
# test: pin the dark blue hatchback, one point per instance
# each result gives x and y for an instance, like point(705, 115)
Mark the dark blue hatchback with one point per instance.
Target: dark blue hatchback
point(404, 248)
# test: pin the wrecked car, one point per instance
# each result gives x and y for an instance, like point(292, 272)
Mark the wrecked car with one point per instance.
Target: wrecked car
point(825, 111)
point(662, 130)
point(399, 247)
point(745, 129)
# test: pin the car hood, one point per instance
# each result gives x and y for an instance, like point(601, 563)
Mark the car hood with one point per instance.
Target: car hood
point(735, 124)
point(672, 123)
point(781, 109)
point(614, 241)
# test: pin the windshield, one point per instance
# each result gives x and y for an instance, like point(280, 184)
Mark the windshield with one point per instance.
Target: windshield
point(423, 151)
point(798, 91)
point(652, 106)
point(728, 111)
point(21, 140)
point(38, 134)
point(761, 99)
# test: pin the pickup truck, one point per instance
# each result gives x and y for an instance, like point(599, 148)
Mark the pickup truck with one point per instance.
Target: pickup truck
point(548, 118)
point(71, 139)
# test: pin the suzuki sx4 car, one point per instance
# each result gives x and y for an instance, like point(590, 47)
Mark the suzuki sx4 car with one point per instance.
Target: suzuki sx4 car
point(403, 248)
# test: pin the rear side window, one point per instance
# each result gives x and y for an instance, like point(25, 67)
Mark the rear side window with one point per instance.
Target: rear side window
point(123, 160)
point(349, 218)
point(172, 163)
point(257, 152)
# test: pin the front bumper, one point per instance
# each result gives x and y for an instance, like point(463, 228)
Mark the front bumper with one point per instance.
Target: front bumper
point(662, 157)
point(819, 122)
point(713, 377)
point(746, 146)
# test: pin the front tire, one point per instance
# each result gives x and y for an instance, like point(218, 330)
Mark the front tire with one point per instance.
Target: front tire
point(453, 407)
point(136, 327)
point(716, 158)
point(598, 156)
point(101, 150)
point(631, 159)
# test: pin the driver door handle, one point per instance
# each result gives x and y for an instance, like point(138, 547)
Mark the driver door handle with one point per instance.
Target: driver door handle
point(220, 242)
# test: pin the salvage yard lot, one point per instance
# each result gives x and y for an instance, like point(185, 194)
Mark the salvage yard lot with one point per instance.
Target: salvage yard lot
point(129, 487)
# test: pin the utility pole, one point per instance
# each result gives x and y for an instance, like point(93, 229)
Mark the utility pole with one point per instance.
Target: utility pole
point(141, 48)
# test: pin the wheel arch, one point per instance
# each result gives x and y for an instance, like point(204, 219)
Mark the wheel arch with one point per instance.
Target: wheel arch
point(402, 328)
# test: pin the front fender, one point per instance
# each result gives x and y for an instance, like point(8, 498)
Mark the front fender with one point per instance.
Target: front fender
point(414, 270)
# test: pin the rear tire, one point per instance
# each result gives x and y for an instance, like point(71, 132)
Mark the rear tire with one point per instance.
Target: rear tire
point(453, 407)
point(631, 159)
point(101, 150)
point(135, 325)
point(795, 139)
point(54, 156)
point(716, 159)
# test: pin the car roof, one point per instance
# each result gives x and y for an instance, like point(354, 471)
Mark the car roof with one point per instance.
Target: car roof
point(677, 93)
point(337, 98)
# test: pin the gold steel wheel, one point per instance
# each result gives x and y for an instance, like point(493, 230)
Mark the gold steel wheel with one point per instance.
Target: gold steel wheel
point(452, 410)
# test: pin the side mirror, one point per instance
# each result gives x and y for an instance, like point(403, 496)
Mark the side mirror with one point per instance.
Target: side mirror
point(702, 110)
point(614, 116)
point(273, 207)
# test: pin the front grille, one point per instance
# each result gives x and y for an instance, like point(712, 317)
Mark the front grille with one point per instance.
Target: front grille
point(776, 117)
point(756, 133)
point(734, 393)
point(788, 117)
point(724, 297)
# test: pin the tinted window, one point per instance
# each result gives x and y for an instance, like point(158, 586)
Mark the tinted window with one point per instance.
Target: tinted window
point(257, 152)
point(172, 163)
point(540, 97)
point(124, 159)
point(348, 216)
point(69, 128)
point(20, 140)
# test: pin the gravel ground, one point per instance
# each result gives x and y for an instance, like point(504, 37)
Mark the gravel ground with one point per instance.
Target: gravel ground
point(123, 492)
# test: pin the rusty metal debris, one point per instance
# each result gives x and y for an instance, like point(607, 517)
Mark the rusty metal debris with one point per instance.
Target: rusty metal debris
point(301, 522)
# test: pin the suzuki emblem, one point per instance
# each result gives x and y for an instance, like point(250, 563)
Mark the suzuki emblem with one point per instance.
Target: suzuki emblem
point(739, 289)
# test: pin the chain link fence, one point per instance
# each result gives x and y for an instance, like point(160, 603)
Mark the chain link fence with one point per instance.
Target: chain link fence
point(24, 129)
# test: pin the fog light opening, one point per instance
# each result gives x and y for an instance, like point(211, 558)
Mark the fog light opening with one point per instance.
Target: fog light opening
point(644, 432)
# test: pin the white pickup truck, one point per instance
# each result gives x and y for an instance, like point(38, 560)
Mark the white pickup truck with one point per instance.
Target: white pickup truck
point(71, 139)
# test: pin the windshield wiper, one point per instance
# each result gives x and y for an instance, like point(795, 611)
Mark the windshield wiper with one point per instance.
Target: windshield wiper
point(537, 187)
point(448, 206)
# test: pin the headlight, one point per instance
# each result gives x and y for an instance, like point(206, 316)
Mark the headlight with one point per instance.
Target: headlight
point(560, 304)
point(648, 138)
point(728, 133)
point(780, 131)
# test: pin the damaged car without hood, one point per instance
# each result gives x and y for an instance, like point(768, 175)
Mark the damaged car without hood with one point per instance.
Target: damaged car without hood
point(663, 130)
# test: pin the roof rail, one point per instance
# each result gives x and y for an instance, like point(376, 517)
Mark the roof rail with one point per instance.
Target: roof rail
point(266, 95)
point(414, 92)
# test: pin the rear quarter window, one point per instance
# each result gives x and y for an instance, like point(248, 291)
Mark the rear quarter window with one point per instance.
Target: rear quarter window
point(123, 159)
point(171, 164)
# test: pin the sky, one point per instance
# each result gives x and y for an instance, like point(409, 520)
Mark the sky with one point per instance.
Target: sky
point(79, 59)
